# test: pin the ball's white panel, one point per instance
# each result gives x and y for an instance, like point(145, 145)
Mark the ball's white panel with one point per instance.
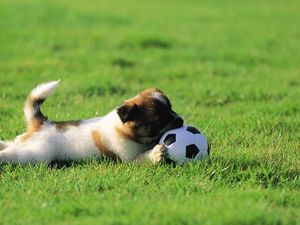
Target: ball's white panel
point(202, 144)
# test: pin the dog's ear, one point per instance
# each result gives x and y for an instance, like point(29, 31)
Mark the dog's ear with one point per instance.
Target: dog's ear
point(128, 112)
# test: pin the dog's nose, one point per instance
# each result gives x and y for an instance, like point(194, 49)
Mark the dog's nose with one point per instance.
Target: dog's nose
point(178, 122)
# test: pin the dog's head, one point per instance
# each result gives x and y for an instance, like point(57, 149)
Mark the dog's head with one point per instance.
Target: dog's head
point(147, 116)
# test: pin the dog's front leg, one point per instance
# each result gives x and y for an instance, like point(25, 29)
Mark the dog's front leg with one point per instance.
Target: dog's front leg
point(155, 155)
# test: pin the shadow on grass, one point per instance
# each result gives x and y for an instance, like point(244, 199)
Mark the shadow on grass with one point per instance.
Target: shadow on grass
point(221, 170)
point(60, 165)
point(71, 164)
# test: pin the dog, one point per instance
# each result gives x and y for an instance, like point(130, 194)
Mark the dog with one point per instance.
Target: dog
point(130, 132)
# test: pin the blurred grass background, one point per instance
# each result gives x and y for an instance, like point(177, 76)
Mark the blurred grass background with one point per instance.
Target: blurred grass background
point(230, 67)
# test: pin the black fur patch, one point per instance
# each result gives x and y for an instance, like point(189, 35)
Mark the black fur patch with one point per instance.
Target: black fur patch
point(37, 110)
point(128, 112)
point(63, 125)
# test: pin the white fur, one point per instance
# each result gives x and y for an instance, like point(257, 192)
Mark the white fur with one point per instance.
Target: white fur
point(44, 90)
point(76, 142)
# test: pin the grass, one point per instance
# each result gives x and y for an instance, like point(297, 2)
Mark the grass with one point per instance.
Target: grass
point(231, 68)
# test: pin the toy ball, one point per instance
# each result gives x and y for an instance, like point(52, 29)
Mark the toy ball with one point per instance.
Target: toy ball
point(185, 144)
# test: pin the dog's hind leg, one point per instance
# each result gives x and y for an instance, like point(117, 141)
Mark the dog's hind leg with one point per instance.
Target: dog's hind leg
point(7, 154)
point(3, 145)
point(23, 154)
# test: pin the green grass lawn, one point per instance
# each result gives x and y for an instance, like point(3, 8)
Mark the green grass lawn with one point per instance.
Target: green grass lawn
point(230, 68)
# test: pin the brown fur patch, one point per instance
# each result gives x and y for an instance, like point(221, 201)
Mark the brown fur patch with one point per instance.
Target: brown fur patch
point(96, 136)
point(144, 97)
point(37, 121)
point(25, 137)
point(64, 125)
point(32, 127)
point(126, 131)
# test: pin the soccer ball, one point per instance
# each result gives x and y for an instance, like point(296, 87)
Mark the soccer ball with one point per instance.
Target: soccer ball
point(185, 144)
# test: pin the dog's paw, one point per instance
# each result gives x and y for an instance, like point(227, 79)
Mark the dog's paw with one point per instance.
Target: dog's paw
point(158, 154)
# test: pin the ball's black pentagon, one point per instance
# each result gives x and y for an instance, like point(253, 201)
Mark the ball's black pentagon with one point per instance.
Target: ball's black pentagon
point(193, 130)
point(191, 151)
point(170, 139)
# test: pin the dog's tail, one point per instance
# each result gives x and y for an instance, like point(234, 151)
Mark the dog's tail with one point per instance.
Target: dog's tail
point(34, 116)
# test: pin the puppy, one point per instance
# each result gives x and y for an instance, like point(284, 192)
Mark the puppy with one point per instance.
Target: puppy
point(129, 132)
